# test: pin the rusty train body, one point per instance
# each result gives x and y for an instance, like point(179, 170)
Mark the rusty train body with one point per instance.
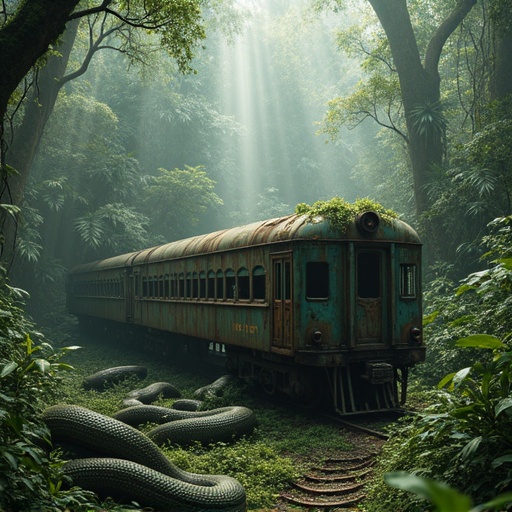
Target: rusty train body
point(303, 308)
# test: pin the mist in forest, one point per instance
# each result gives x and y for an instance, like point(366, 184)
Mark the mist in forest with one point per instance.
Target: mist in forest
point(134, 155)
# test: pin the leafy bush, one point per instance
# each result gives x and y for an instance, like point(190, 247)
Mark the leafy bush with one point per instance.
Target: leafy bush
point(341, 212)
point(482, 302)
point(29, 478)
point(463, 439)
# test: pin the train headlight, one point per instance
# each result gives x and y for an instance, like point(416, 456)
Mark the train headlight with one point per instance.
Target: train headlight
point(317, 337)
point(368, 222)
point(415, 336)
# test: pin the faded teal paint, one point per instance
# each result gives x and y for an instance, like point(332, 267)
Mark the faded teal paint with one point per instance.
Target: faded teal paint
point(250, 325)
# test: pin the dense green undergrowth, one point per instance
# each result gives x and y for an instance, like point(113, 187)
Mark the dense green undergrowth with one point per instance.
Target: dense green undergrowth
point(462, 438)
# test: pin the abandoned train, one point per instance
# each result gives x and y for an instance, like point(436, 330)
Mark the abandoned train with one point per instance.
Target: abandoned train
point(304, 308)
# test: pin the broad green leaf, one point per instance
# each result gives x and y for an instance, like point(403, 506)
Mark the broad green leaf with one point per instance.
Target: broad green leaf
point(504, 459)
point(464, 288)
point(11, 459)
point(71, 347)
point(445, 498)
point(503, 405)
point(463, 412)
point(481, 341)
point(496, 503)
point(461, 375)
point(506, 262)
point(445, 380)
point(8, 368)
point(427, 319)
point(471, 447)
point(43, 365)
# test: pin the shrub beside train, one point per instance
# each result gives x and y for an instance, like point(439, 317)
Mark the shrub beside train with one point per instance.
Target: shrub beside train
point(322, 314)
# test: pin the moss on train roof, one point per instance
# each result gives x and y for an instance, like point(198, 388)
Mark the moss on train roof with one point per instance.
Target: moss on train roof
point(341, 213)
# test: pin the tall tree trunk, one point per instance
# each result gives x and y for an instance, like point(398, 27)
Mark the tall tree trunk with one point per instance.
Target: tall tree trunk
point(419, 84)
point(27, 36)
point(40, 105)
point(24, 39)
point(501, 20)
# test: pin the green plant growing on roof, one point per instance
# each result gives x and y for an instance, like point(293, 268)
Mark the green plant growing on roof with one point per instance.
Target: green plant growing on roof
point(341, 213)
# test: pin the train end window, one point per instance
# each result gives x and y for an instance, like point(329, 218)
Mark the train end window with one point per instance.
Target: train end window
point(317, 280)
point(258, 283)
point(408, 281)
point(368, 275)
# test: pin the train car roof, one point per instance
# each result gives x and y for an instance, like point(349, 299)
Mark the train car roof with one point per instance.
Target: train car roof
point(282, 229)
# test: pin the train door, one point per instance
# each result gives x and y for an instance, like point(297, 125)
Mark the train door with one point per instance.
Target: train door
point(282, 301)
point(371, 283)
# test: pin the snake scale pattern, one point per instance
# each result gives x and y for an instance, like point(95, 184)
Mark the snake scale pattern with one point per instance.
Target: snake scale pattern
point(184, 427)
point(134, 467)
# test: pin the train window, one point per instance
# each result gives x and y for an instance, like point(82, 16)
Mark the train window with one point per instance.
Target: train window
point(144, 286)
point(174, 286)
point(211, 284)
point(219, 281)
point(189, 286)
point(243, 284)
point(258, 283)
point(166, 286)
point(181, 285)
point(368, 275)
point(287, 280)
point(202, 285)
point(195, 286)
point(277, 280)
point(317, 280)
point(160, 292)
point(230, 284)
point(408, 281)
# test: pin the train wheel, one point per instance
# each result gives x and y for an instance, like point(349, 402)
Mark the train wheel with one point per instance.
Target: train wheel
point(308, 392)
point(268, 381)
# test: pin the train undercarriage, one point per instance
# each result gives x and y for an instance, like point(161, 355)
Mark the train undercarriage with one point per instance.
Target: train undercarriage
point(360, 387)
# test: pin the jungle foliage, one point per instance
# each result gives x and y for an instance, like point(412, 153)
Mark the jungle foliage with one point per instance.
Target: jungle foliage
point(30, 373)
point(463, 437)
point(341, 212)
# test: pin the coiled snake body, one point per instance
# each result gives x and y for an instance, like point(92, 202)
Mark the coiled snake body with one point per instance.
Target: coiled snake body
point(134, 467)
point(185, 427)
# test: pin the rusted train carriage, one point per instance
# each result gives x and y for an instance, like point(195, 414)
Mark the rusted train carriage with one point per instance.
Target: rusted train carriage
point(318, 313)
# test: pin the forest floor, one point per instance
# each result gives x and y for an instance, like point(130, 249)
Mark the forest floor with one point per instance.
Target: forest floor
point(302, 437)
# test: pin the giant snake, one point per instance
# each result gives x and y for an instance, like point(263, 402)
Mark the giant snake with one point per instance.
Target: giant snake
point(132, 467)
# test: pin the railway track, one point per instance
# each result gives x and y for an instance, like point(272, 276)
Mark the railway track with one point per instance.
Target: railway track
point(337, 482)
